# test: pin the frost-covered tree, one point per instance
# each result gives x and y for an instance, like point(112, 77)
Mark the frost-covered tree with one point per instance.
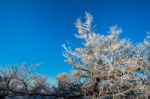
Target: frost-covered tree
point(22, 80)
point(40, 85)
point(107, 65)
point(67, 88)
point(18, 78)
point(63, 80)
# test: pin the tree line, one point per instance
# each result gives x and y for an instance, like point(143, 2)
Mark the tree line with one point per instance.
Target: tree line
point(104, 66)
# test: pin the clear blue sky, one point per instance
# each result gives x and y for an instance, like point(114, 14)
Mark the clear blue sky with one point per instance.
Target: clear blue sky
point(33, 31)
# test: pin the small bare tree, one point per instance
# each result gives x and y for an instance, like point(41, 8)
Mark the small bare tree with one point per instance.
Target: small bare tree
point(67, 86)
point(107, 65)
point(40, 85)
point(18, 78)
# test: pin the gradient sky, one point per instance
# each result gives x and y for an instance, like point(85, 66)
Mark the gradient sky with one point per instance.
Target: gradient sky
point(33, 31)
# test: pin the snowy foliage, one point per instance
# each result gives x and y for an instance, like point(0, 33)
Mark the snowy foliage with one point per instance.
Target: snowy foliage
point(108, 65)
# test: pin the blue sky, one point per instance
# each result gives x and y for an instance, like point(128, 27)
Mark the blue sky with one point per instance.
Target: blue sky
point(33, 31)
